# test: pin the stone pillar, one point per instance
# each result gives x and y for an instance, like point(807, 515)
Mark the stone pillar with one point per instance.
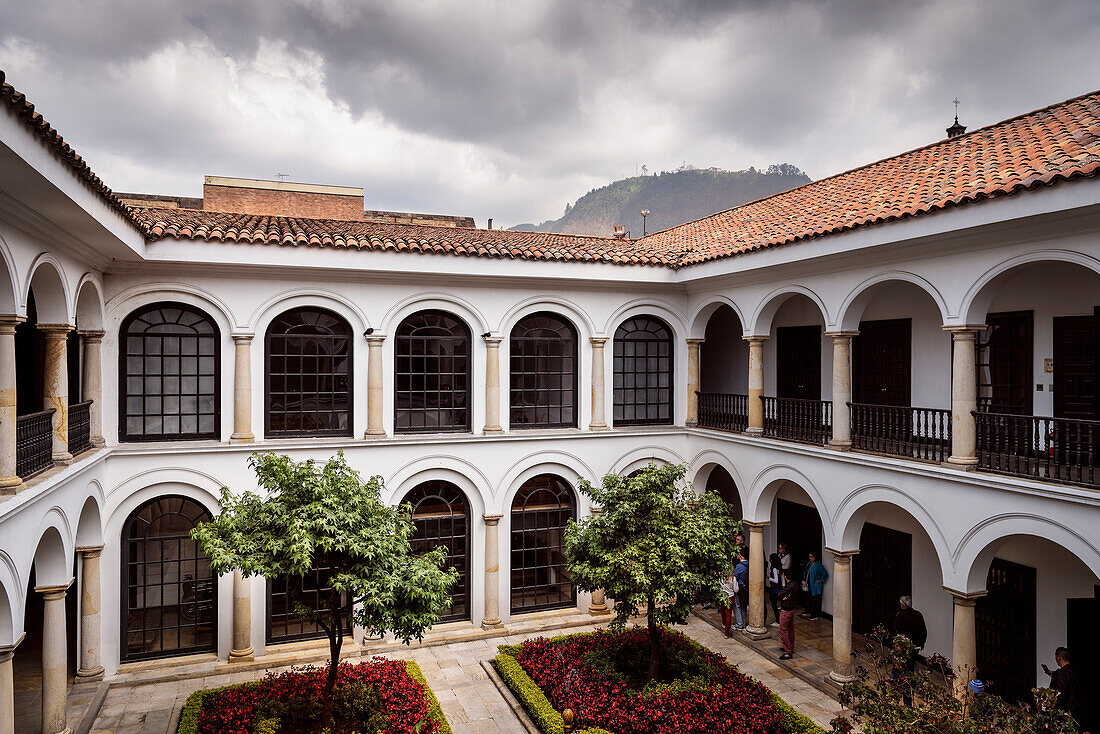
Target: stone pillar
point(7, 689)
point(841, 580)
point(242, 651)
point(9, 479)
point(92, 382)
point(492, 384)
point(91, 668)
point(842, 388)
point(756, 384)
point(693, 381)
point(964, 394)
point(964, 640)
point(492, 574)
point(598, 607)
point(54, 659)
point(599, 419)
point(55, 387)
point(242, 389)
point(375, 385)
point(757, 574)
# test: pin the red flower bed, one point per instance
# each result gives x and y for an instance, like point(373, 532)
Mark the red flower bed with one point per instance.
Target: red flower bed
point(717, 699)
point(233, 710)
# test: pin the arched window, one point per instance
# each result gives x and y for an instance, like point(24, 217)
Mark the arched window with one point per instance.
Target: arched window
point(643, 372)
point(169, 593)
point(442, 518)
point(285, 592)
point(308, 374)
point(543, 358)
point(542, 508)
point(169, 365)
point(432, 375)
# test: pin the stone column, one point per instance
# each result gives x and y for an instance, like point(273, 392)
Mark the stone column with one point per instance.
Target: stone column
point(242, 651)
point(7, 689)
point(92, 382)
point(375, 385)
point(55, 387)
point(599, 420)
point(842, 388)
point(842, 616)
point(9, 479)
point(492, 574)
point(54, 659)
point(91, 669)
point(964, 640)
point(242, 389)
point(964, 394)
point(756, 384)
point(492, 384)
point(693, 381)
point(598, 607)
point(756, 579)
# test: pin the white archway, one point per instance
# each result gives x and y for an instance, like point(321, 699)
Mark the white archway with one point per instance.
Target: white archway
point(305, 298)
point(552, 304)
point(856, 302)
point(701, 317)
point(460, 307)
point(975, 304)
point(761, 321)
point(89, 304)
point(51, 293)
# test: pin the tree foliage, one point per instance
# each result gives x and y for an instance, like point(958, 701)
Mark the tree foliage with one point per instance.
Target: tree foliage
point(326, 516)
point(655, 547)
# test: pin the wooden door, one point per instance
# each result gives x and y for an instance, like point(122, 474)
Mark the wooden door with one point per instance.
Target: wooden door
point(798, 362)
point(1006, 631)
point(1075, 367)
point(799, 526)
point(1005, 363)
point(882, 572)
point(1083, 641)
point(882, 357)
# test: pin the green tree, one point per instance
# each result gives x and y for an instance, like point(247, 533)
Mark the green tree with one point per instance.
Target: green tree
point(655, 547)
point(327, 517)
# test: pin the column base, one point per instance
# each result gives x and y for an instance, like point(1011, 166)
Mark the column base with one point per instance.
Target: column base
point(10, 485)
point(599, 610)
point(378, 433)
point(492, 624)
point(839, 679)
point(841, 445)
point(242, 656)
point(599, 427)
point(754, 431)
point(98, 442)
point(492, 429)
point(242, 438)
point(691, 424)
point(89, 676)
point(757, 633)
point(62, 457)
point(967, 463)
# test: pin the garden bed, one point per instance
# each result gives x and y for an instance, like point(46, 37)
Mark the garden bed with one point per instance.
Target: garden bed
point(389, 696)
point(599, 676)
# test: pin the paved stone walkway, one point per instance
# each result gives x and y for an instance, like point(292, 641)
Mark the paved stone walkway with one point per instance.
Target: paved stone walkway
point(470, 700)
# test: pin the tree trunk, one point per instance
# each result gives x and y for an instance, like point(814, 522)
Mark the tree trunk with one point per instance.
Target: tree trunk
point(654, 642)
point(335, 642)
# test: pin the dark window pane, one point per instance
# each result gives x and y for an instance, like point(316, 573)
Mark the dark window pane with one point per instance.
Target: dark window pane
point(642, 360)
point(540, 512)
point(543, 350)
point(440, 512)
point(432, 358)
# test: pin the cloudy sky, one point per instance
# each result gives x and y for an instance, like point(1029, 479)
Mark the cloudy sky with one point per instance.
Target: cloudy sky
point(511, 109)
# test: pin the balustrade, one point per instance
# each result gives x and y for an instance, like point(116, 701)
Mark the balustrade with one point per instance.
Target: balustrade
point(1056, 449)
point(34, 443)
point(915, 433)
point(809, 421)
point(724, 411)
point(80, 427)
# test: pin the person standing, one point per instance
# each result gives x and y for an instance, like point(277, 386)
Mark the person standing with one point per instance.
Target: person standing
point(1064, 680)
point(784, 557)
point(815, 579)
point(775, 585)
point(788, 605)
point(909, 623)
point(741, 573)
point(727, 600)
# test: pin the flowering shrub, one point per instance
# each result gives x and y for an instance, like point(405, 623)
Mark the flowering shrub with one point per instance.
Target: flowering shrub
point(590, 673)
point(380, 696)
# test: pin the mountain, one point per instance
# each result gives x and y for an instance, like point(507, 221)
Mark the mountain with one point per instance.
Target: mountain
point(672, 197)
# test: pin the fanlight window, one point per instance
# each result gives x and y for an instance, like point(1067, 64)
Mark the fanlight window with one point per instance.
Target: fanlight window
point(169, 374)
point(442, 518)
point(432, 377)
point(309, 378)
point(643, 372)
point(169, 591)
point(540, 511)
point(543, 359)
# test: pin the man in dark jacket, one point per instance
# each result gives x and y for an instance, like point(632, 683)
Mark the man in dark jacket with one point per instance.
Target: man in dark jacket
point(788, 605)
point(1064, 680)
point(909, 623)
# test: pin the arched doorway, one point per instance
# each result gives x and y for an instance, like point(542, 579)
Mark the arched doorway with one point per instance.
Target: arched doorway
point(541, 510)
point(720, 482)
point(441, 515)
point(169, 592)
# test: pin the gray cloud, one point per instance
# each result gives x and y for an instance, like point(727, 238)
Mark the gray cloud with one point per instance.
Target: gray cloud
point(510, 109)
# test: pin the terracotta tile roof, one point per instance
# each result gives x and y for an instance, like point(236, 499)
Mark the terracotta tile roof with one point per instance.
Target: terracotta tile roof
point(194, 224)
point(17, 102)
point(1041, 148)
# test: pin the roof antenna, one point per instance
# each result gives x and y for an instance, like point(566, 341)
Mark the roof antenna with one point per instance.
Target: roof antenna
point(283, 176)
point(956, 129)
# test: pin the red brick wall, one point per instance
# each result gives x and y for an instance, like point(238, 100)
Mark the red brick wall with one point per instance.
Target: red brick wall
point(270, 202)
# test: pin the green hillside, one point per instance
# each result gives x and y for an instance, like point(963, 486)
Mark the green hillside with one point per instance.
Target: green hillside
point(672, 197)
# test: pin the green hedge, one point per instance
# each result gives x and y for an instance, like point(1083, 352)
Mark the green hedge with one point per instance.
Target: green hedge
point(435, 711)
point(794, 722)
point(189, 716)
point(530, 695)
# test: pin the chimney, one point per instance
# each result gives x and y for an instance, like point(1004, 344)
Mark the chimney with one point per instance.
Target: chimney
point(281, 198)
point(620, 231)
point(490, 222)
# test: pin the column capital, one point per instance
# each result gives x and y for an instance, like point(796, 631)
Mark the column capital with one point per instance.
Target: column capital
point(55, 591)
point(6, 651)
point(242, 336)
point(9, 321)
point(55, 331)
point(695, 342)
point(595, 510)
point(754, 525)
point(757, 338)
point(841, 335)
point(375, 337)
point(598, 341)
point(89, 551)
point(964, 332)
point(965, 598)
point(491, 519)
point(91, 336)
point(843, 556)
point(492, 341)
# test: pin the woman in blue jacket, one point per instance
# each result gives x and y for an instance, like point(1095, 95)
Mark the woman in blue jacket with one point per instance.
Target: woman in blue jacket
point(814, 581)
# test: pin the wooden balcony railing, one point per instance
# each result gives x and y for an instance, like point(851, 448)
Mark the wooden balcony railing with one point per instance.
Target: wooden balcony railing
point(810, 421)
point(1056, 449)
point(915, 433)
point(724, 411)
point(80, 427)
point(33, 443)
